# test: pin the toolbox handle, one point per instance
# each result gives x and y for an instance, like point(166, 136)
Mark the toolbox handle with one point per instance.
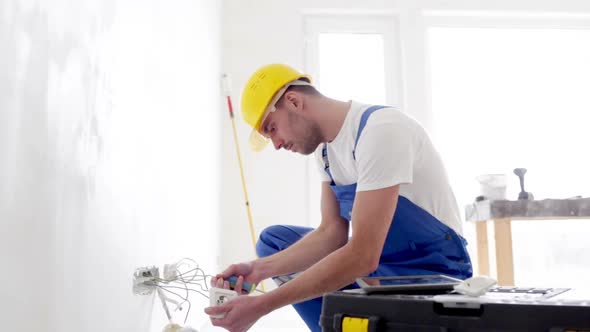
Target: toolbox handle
point(373, 321)
point(443, 310)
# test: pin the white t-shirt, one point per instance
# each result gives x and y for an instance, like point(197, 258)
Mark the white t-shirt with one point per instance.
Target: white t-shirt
point(392, 149)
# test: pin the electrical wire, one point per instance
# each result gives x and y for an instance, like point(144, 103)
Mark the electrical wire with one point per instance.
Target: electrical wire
point(181, 263)
point(179, 278)
point(192, 283)
point(185, 300)
point(184, 288)
point(167, 288)
point(187, 294)
point(194, 279)
point(164, 304)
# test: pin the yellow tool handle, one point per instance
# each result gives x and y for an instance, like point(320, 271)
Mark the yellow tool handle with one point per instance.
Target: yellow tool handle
point(237, 144)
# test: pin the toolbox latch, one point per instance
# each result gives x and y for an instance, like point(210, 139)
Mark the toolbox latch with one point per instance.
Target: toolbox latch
point(347, 323)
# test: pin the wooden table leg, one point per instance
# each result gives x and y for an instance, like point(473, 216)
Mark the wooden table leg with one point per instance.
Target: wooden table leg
point(504, 259)
point(483, 256)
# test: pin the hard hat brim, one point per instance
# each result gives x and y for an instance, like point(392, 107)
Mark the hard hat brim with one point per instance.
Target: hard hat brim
point(257, 141)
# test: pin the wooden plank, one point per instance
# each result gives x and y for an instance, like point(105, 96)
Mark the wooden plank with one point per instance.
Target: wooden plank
point(540, 209)
point(504, 258)
point(483, 255)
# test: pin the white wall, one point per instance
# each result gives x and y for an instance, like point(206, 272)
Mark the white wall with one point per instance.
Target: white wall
point(109, 123)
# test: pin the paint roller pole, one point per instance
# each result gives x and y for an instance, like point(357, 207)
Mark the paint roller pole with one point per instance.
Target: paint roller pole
point(227, 92)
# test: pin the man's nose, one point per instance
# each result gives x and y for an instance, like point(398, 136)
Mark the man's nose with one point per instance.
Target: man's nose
point(277, 143)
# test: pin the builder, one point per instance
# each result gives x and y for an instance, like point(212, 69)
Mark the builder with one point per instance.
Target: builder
point(381, 176)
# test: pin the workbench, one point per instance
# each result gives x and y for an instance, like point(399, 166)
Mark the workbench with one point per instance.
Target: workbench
point(502, 213)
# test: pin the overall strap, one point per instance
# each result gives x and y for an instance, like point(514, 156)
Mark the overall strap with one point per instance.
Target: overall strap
point(327, 163)
point(366, 114)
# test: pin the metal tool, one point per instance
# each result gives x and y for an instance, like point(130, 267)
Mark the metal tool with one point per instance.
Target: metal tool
point(523, 195)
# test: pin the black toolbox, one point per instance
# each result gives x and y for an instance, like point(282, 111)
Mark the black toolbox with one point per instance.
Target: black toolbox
point(502, 309)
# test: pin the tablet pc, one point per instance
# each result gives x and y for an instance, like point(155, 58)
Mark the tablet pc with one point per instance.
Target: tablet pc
point(408, 284)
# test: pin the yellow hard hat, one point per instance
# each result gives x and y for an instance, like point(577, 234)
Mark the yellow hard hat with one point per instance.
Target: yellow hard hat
point(258, 93)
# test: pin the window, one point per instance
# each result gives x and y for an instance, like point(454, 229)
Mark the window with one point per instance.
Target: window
point(352, 66)
point(506, 97)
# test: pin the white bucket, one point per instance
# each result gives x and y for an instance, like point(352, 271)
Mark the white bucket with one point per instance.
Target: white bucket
point(492, 186)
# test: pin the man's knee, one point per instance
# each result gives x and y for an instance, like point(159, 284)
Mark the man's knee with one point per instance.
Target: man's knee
point(267, 241)
point(276, 238)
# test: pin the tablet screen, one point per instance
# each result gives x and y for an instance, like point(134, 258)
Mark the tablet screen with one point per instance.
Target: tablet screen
point(383, 281)
point(408, 282)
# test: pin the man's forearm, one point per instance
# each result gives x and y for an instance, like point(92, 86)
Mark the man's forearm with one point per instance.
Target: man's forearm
point(371, 218)
point(304, 253)
point(335, 271)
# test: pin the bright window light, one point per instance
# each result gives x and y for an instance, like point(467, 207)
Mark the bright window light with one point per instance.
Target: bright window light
point(518, 97)
point(352, 66)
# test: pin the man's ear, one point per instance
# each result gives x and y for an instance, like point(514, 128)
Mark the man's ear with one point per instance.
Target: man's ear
point(294, 100)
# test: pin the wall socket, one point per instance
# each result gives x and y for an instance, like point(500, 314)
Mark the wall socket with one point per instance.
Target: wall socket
point(145, 280)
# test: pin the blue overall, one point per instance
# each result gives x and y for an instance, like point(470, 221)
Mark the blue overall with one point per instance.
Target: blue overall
point(416, 244)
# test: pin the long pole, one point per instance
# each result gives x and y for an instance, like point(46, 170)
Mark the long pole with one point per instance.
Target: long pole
point(237, 144)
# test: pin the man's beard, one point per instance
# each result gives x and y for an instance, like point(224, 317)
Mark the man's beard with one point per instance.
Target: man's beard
point(309, 131)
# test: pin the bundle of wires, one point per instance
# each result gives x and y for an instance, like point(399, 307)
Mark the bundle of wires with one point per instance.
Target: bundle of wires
point(181, 280)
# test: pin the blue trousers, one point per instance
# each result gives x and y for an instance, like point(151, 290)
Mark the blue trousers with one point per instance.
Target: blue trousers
point(279, 237)
point(276, 238)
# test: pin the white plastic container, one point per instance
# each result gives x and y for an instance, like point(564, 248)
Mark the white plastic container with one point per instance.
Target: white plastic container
point(492, 186)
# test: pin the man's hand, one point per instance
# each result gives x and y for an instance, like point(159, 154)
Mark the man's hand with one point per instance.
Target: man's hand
point(240, 313)
point(244, 271)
